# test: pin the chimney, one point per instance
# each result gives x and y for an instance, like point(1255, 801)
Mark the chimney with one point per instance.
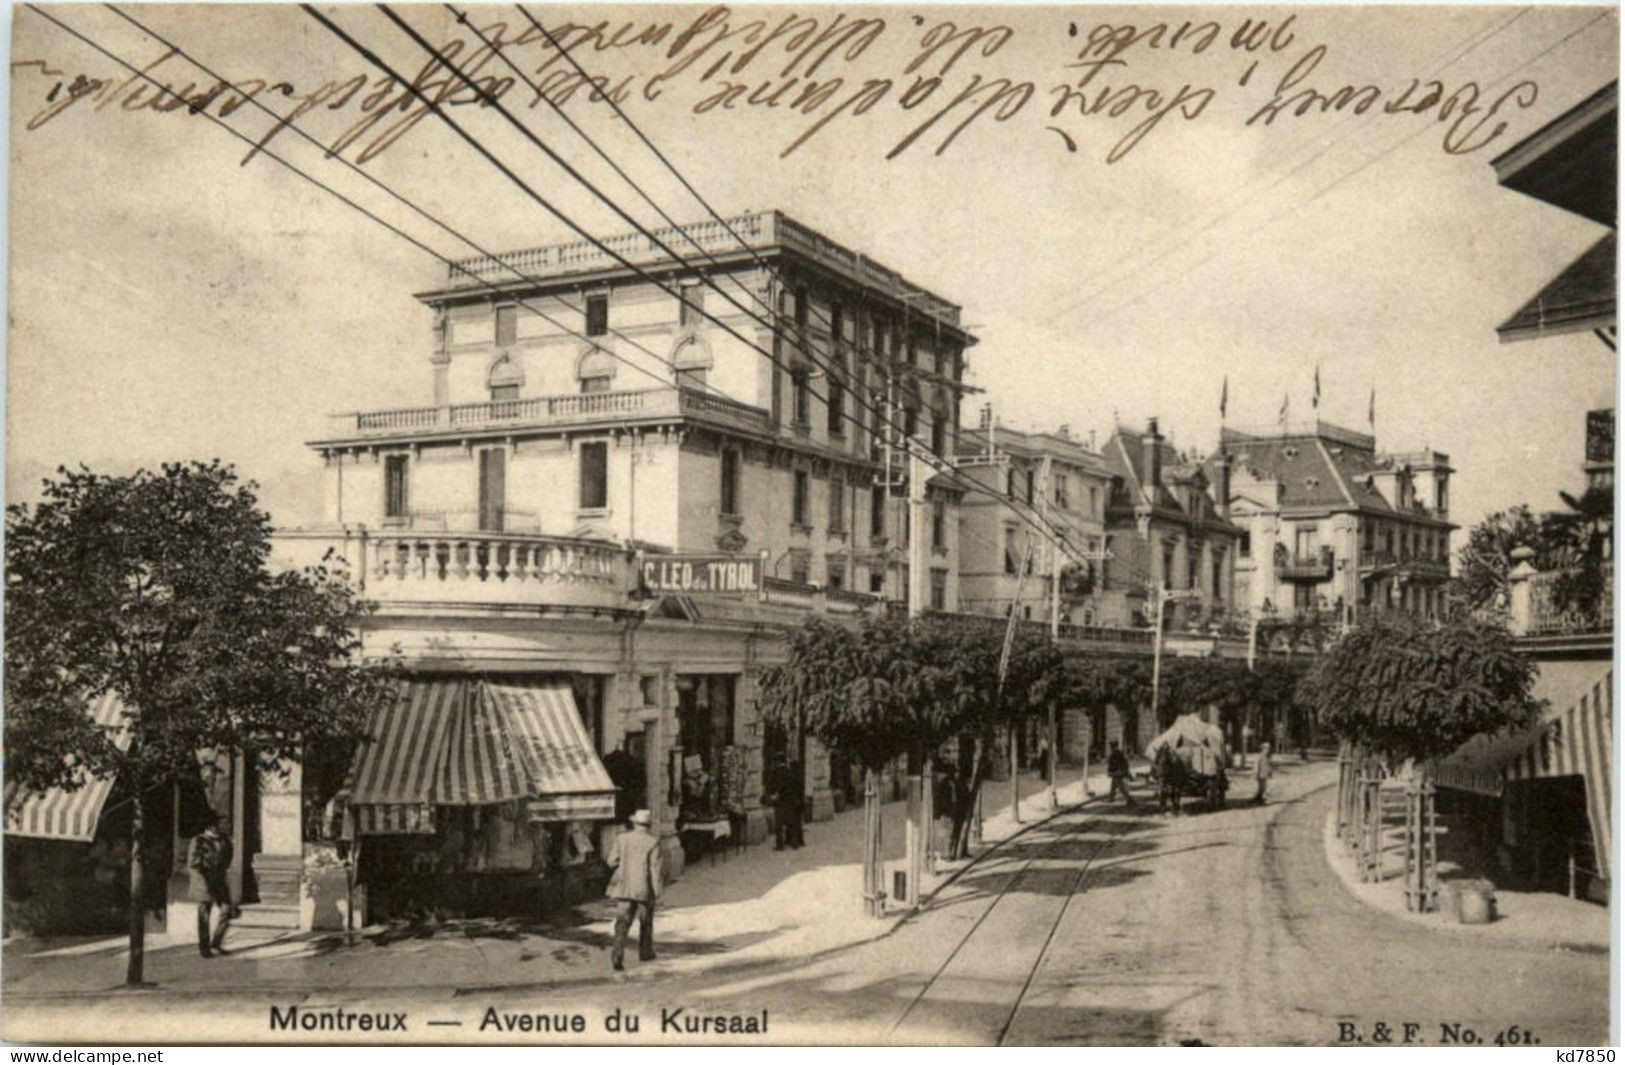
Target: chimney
point(987, 416)
point(1064, 432)
point(1152, 443)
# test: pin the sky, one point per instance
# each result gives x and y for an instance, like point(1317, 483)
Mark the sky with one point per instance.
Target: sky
point(170, 300)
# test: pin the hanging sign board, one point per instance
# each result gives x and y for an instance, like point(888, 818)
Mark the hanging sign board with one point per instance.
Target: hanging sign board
point(694, 574)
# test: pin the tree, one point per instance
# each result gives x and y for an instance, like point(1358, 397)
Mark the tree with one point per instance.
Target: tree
point(1578, 543)
point(1410, 691)
point(155, 587)
point(1483, 564)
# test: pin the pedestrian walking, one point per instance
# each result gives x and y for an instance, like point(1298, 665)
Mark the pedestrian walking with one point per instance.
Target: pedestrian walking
point(635, 882)
point(1117, 769)
point(1261, 773)
point(792, 803)
point(208, 860)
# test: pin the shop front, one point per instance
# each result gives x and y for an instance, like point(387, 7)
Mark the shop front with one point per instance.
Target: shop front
point(476, 796)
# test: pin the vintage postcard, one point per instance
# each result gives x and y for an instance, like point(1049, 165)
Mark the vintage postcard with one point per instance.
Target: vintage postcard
point(804, 524)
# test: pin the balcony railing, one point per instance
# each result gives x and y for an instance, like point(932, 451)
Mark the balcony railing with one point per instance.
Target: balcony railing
point(1547, 618)
point(1316, 567)
point(549, 411)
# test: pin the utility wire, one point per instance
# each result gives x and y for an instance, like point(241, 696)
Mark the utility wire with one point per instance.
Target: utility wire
point(1271, 222)
point(1475, 41)
point(451, 263)
point(946, 469)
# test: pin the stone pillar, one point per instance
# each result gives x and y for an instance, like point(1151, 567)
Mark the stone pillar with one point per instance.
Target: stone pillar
point(660, 738)
point(748, 735)
point(279, 865)
point(815, 771)
point(1520, 606)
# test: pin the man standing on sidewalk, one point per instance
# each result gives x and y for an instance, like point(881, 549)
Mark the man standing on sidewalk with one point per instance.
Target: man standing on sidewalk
point(636, 882)
point(1261, 772)
point(210, 858)
point(1117, 769)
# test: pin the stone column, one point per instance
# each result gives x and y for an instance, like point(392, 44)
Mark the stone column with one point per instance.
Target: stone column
point(660, 738)
point(748, 735)
point(1520, 608)
point(279, 865)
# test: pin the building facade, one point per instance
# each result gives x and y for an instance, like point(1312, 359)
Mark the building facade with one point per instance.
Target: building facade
point(1335, 527)
point(1167, 535)
point(1005, 561)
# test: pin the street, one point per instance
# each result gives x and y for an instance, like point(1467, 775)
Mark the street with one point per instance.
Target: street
point(1100, 926)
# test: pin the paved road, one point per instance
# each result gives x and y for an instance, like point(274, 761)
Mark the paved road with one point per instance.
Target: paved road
point(1103, 926)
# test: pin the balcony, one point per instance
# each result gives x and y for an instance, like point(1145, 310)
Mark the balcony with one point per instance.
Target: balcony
point(547, 412)
point(1315, 567)
point(1546, 617)
point(470, 569)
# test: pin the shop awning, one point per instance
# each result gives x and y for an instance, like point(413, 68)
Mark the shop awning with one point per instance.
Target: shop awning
point(1577, 740)
point(393, 778)
point(62, 814)
point(526, 741)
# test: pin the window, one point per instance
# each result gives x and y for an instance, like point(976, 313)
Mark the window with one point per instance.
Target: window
point(597, 315)
point(493, 488)
point(688, 306)
point(1168, 566)
point(502, 392)
point(800, 567)
point(1032, 481)
point(1244, 545)
point(591, 385)
point(835, 574)
point(594, 476)
point(1193, 561)
point(730, 481)
point(1011, 566)
point(596, 370)
point(801, 409)
point(1010, 482)
point(837, 506)
point(1218, 576)
point(801, 307)
point(395, 475)
point(939, 435)
point(1303, 596)
point(835, 407)
point(939, 589)
point(798, 507)
point(911, 421)
point(1305, 543)
point(877, 584)
point(939, 526)
point(1094, 501)
point(877, 512)
point(691, 379)
point(837, 324)
point(1062, 492)
point(507, 325)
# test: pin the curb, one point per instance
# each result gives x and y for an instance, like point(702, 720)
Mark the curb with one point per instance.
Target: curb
point(1331, 845)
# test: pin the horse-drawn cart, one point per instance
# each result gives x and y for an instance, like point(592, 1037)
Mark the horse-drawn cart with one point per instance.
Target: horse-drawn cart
point(1189, 759)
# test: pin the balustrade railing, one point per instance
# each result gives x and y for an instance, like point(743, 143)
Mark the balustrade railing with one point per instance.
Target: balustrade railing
point(564, 409)
point(494, 558)
point(1549, 615)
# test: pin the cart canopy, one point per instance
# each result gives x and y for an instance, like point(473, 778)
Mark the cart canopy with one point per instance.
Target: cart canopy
point(1188, 730)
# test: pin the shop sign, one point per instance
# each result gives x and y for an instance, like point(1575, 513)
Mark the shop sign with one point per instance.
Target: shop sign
point(695, 574)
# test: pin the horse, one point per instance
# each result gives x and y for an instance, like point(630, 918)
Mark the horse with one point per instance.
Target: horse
point(1173, 779)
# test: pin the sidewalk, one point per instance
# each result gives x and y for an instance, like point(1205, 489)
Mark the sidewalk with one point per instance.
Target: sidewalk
point(1540, 919)
point(758, 906)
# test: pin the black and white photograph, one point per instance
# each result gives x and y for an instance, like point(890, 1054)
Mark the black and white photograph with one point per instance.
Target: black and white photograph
point(712, 525)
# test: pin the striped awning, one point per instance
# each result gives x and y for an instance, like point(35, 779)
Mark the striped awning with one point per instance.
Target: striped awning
point(394, 776)
point(527, 741)
point(1577, 740)
point(59, 813)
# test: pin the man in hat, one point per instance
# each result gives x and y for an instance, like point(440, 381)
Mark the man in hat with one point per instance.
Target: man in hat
point(1117, 768)
point(209, 859)
point(636, 881)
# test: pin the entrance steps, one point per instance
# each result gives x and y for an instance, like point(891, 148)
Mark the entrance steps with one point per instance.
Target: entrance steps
point(268, 915)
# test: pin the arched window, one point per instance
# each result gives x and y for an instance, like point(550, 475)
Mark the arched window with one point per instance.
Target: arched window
point(506, 378)
point(596, 370)
point(691, 361)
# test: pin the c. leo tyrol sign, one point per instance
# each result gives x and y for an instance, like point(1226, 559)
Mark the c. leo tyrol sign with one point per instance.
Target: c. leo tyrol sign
point(691, 574)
